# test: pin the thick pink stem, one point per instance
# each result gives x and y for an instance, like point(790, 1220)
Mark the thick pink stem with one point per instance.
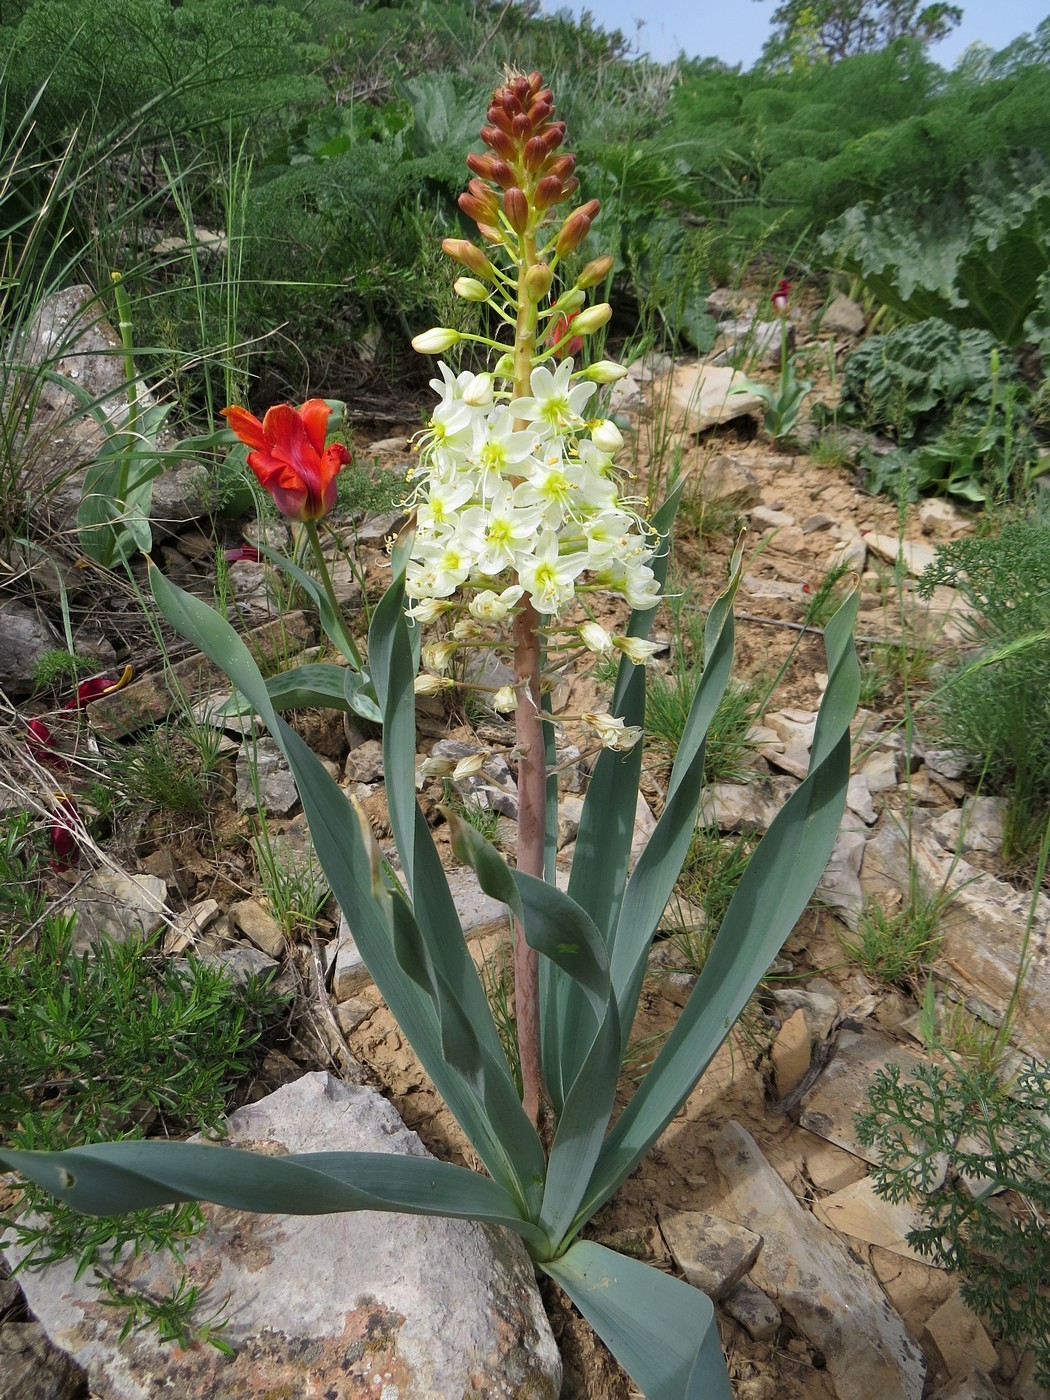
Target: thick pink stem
point(532, 811)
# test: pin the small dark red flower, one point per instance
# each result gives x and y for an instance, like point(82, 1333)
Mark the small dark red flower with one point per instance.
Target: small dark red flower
point(243, 554)
point(289, 456)
point(782, 297)
point(95, 686)
point(62, 833)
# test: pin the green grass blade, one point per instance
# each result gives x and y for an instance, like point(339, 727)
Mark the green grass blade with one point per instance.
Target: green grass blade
point(774, 890)
point(113, 1177)
point(662, 1331)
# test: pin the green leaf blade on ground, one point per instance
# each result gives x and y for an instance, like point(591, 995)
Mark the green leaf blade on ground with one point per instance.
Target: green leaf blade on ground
point(662, 1331)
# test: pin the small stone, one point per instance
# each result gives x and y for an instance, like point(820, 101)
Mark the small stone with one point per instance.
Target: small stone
point(817, 522)
point(843, 316)
point(959, 1339)
point(264, 779)
point(351, 974)
point(948, 763)
point(758, 1315)
point(880, 771)
point(242, 964)
point(726, 481)
point(938, 514)
point(915, 1289)
point(113, 905)
point(819, 1009)
point(364, 763)
point(350, 1013)
point(1026, 1386)
point(712, 1253)
point(916, 556)
point(699, 396)
point(791, 1052)
point(828, 1167)
point(765, 518)
point(975, 1385)
point(857, 1211)
point(978, 826)
point(258, 926)
point(858, 799)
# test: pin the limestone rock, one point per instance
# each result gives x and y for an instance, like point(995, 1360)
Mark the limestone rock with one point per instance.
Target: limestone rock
point(916, 556)
point(25, 637)
point(758, 1315)
point(264, 779)
point(958, 1338)
point(842, 317)
point(975, 1385)
point(828, 1167)
point(729, 482)
point(979, 825)
point(364, 763)
point(790, 1053)
point(351, 975)
point(31, 1368)
point(713, 1254)
point(700, 396)
point(857, 1211)
point(113, 905)
point(258, 926)
point(811, 1276)
point(349, 1305)
point(819, 1009)
point(840, 883)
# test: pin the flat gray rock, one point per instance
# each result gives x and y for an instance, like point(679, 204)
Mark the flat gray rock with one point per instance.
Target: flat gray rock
point(348, 1306)
point(806, 1269)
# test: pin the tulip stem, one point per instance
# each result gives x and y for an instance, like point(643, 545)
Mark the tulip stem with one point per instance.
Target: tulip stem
point(343, 639)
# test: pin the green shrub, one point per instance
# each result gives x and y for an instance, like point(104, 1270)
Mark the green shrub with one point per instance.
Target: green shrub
point(997, 708)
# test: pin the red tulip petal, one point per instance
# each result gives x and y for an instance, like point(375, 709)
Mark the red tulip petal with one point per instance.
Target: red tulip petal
point(246, 426)
point(315, 414)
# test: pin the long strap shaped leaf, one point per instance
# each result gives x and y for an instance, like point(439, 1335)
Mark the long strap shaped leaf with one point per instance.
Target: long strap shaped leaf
point(773, 892)
point(113, 1177)
point(563, 933)
point(661, 1330)
point(603, 844)
point(502, 1136)
point(653, 879)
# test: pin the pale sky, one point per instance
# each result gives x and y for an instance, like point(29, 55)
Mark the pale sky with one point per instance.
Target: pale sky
point(735, 30)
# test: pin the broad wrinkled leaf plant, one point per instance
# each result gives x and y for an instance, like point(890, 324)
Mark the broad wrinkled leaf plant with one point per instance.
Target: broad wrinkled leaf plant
point(521, 519)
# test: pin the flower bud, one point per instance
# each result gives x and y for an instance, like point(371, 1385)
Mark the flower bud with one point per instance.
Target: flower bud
point(430, 609)
point(572, 233)
point(596, 271)
point(470, 289)
point(548, 191)
point(605, 372)
point(606, 436)
point(478, 393)
point(437, 656)
point(466, 631)
point(432, 685)
point(483, 165)
point(538, 281)
point(435, 768)
point(563, 166)
point(500, 141)
point(470, 256)
point(595, 638)
point(519, 125)
point(535, 153)
point(516, 208)
point(592, 318)
point(436, 340)
point(570, 302)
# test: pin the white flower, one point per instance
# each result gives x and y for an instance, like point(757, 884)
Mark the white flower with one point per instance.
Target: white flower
point(437, 656)
point(505, 700)
point(429, 609)
point(613, 733)
point(549, 576)
point(605, 372)
point(636, 649)
point(553, 404)
point(469, 766)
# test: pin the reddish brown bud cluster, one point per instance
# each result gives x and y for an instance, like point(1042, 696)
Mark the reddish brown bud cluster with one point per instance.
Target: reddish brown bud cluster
point(525, 163)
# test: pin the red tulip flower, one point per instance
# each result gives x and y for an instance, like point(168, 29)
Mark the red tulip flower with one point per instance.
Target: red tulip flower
point(782, 297)
point(289, 456)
